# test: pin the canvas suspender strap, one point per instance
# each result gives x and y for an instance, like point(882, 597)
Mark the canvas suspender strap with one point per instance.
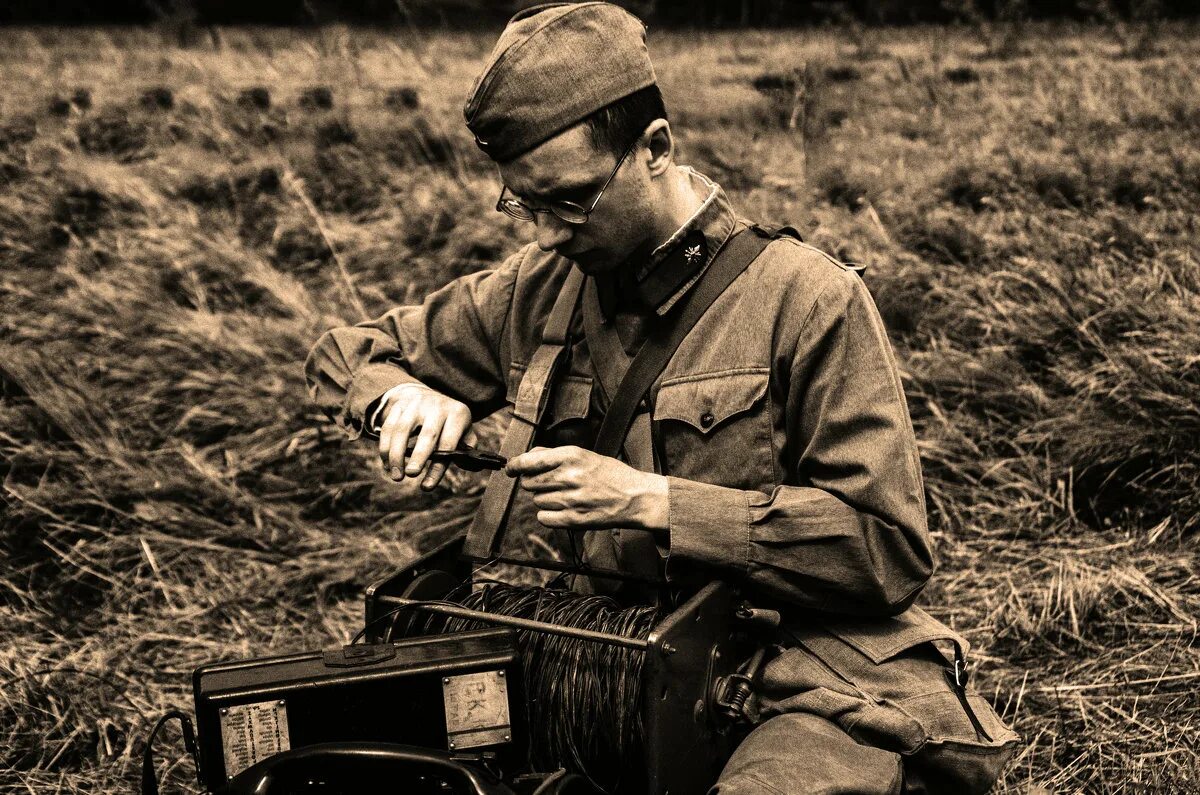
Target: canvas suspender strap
point(733, 258)
point(532, 398)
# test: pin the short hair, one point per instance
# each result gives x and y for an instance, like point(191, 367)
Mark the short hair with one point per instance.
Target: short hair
point(615, 126)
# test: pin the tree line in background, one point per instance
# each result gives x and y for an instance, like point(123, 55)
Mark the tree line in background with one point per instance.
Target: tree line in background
point(704, 13)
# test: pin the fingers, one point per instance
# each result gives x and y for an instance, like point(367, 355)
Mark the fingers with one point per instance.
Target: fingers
point(540, 459)
point(436, 472)
point(457, 428)
point(406, 423)
point(457, 423)
point(555, 500)
point(552, 480)
point(393, 437)
point(563, 519)
point(431, 423)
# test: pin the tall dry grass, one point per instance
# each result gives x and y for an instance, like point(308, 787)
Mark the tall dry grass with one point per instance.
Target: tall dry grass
point(178, 225)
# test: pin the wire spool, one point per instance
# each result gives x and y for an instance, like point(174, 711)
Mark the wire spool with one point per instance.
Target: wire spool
point(583, 698)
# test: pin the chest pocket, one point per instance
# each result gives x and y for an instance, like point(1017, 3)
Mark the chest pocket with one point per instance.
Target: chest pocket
point(716, 428)
point(566, 420)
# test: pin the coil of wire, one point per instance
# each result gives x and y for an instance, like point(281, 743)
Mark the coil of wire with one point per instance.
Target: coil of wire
point(583, 698)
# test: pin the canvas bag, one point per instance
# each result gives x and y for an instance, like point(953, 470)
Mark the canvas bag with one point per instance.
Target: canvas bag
point(897, 683)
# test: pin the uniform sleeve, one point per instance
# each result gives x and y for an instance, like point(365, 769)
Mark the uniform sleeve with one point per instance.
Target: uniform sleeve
point(851, 537)
point(452, 342)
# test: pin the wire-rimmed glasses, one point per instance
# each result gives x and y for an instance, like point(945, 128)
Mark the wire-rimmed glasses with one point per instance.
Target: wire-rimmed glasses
point(566, 211)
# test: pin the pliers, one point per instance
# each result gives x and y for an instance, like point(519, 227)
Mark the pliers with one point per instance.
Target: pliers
point(469, 458)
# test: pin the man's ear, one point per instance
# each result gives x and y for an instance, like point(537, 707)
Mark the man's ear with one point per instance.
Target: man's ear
point(660, 144)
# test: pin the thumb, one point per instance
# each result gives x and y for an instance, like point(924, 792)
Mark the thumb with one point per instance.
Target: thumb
point(539, 459)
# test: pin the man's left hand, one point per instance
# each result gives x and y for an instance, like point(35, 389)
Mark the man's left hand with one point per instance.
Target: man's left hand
point(578, 489)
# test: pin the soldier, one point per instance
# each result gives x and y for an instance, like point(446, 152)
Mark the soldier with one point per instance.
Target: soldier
point(774, 450)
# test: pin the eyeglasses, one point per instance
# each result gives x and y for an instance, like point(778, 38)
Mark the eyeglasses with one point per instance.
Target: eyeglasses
point(566, 211)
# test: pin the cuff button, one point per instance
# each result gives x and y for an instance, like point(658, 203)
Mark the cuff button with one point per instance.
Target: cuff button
point(707, 419)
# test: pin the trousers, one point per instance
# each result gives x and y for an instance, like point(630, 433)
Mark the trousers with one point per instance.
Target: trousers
point(803, 754)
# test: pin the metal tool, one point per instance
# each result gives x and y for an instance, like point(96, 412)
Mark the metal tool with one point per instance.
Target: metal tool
point(469, 458)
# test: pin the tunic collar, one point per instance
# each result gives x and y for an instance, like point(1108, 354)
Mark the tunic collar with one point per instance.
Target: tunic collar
point(677, 264)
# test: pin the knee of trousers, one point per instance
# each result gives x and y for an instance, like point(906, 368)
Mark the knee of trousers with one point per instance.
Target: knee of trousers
point(801, 754)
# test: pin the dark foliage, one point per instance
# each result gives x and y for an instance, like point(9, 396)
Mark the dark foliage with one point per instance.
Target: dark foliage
point(113, 132)
point(842, 74)
point(402, 98)
point(17, 133)
point(1059, 187)
point(301, 250)
point(343, 180)
point(334, 132)
point(225, 191)
point(771, 82)
point(941, 238)
point(57, 106)
point(256, 98)
point(842, 189)
point(82, 210)
point(415, 141)
point(972, 187)
point(961, 75)
point(316, 98)
point(158, 98)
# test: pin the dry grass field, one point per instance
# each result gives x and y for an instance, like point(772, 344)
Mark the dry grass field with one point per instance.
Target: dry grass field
point(177, 226)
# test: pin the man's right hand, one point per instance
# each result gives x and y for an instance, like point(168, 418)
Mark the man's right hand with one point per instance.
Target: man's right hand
point(439, 422)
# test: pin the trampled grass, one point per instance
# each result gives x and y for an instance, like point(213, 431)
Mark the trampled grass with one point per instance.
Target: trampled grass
point(178, 226)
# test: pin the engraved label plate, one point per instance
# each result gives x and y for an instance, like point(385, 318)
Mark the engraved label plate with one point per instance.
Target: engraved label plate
point(252, 732)
point(476, 710)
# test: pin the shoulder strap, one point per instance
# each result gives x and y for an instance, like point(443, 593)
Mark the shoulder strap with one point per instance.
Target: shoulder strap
point(733, 258)
point(532, 397)
point(779, 231)
point(790, 231)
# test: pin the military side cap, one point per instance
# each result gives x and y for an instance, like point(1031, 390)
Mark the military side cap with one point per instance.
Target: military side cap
point(554, 65)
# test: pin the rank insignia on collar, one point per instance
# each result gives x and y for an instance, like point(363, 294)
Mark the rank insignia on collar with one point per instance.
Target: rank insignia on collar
point(692, 253)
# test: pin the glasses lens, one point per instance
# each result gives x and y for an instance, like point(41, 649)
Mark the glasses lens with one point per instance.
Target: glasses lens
point(515, 209)
point(570, 212)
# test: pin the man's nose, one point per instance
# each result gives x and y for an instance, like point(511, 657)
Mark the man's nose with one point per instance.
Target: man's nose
point(552, 231)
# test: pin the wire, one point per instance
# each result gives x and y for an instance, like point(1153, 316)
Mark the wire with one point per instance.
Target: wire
point(149, 778)
point(393, 613)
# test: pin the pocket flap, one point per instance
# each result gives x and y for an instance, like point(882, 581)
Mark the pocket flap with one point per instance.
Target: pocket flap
point(571, 398)
point(880, 639)
point(705, 401)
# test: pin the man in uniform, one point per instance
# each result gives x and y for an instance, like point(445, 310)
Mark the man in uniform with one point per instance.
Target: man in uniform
point(775, 450)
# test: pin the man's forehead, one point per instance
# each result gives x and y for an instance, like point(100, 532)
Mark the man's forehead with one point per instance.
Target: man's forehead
point(566, 161)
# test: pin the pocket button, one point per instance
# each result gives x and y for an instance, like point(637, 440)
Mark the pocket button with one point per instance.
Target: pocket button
point(707, 419)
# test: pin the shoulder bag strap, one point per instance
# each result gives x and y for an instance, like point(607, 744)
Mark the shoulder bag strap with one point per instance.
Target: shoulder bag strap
point(533, 395)
point(733, 258)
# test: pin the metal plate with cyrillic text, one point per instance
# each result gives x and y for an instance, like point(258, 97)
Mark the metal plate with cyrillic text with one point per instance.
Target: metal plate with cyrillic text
point(252, 732)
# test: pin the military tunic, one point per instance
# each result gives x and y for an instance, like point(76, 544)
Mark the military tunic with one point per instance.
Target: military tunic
point(780, 421)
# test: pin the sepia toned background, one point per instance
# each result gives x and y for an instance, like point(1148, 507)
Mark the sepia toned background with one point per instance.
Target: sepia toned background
point(186, 204)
